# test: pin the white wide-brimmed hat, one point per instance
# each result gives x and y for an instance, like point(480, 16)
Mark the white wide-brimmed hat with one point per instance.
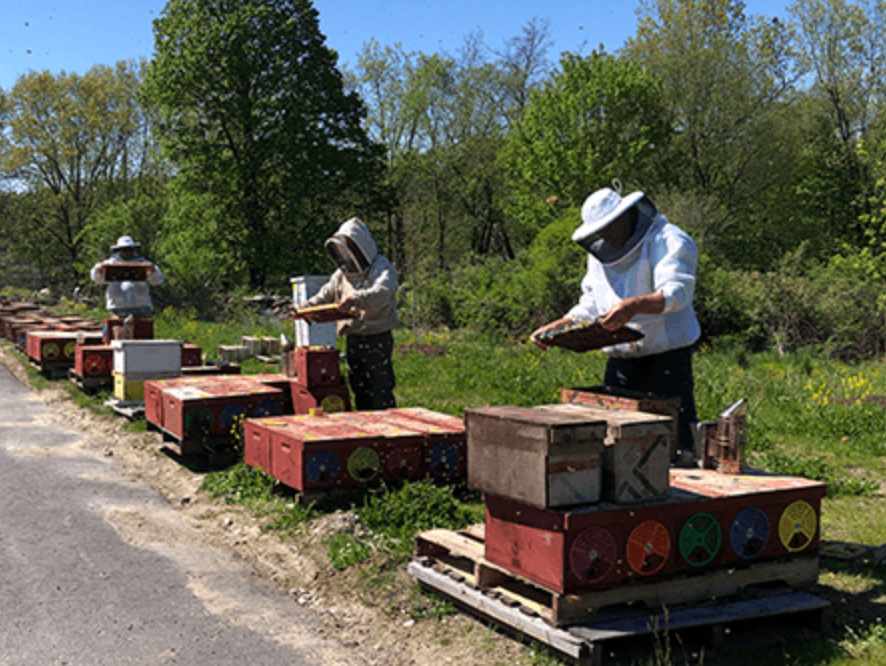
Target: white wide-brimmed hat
point(601, 208)
point(125, 242)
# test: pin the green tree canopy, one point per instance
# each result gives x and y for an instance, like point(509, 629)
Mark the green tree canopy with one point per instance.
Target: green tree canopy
point(68, 141)
point(727, 80)
point(254, 116)
point(601, 117)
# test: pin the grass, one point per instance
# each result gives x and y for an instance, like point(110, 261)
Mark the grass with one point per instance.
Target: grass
point(807, 417)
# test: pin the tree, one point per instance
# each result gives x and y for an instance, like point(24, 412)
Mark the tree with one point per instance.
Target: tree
point(599, 118)
point(66, 146)
point(842, 46)
point(443, 119)
point(254, 116)
point(393, 118)
point(727, 81)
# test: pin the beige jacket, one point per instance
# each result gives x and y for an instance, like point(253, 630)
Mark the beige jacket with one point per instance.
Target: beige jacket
point(374, 290)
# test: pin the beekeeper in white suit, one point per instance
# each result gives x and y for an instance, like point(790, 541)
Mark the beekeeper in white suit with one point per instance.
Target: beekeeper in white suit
point(129, 297)
point(640, 270)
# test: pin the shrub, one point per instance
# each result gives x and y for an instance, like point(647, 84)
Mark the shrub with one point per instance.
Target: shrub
point(835, 308)
point(501, 296)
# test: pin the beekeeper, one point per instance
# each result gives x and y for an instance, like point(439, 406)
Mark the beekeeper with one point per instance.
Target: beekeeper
point(640, 270)
point(127, 297)
point(363, 286)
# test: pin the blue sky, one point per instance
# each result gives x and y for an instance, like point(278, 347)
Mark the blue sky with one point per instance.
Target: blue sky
point(73, 35)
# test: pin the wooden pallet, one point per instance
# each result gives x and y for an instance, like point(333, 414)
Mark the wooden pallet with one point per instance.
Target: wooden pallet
point(51, 370)
point(191, 446)
point(611, 621)
point(90, 384)
point(134, 410)
point(461, 554)
point(853, 553)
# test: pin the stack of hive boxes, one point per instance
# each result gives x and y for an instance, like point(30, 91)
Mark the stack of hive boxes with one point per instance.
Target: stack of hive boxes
point(581, 498)
point(135, 361)
point(319, 384)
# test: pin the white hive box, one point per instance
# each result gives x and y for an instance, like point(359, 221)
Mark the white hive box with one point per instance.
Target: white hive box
point(147, 359)
point(307, 334)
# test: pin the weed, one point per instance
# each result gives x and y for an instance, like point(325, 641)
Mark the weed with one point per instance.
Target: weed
point(239, 484)
point(542, 655)
point(290, 518)
point(346, 550)
point(402, 513)
point(865, 641)
point(428, 605)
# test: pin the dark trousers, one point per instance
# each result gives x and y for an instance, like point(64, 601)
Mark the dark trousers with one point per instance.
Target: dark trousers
point(371, 371)
point(666, 375)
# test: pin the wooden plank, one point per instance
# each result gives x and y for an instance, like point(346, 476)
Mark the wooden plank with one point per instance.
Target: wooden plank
point(478, 531)
point(511, 616)
point(454, 543)
point(715, 613)
point(796, 573)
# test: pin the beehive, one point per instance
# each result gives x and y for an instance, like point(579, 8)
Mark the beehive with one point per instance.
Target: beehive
point(620, 398)
point(316, 367)
point(709, 521)
point(195, 407)
point(147, 359)
point(306, 333)
point(309, 453)
point(636, 455)
point(543, 458)
point(143, 328)
point(330, 399)
point(91, 361)
point(445, 440)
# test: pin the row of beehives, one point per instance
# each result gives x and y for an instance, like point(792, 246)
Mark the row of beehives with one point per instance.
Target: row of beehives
point(286, 431)
point(322, 452)
point(16, 319)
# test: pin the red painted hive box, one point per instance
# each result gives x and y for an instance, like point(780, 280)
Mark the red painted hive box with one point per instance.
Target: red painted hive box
point(200, 406)
point(93, 361)
point(314, 453)
point(709, 521)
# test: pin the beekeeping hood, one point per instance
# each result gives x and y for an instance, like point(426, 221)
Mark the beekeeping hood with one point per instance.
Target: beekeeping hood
point(605, 207)
point(352, 248)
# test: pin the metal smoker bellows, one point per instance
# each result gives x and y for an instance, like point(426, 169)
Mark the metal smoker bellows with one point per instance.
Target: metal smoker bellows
point(722, 442)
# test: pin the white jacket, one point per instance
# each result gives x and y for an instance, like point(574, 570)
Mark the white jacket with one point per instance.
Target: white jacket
point(665, 260)
point(127, 297)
